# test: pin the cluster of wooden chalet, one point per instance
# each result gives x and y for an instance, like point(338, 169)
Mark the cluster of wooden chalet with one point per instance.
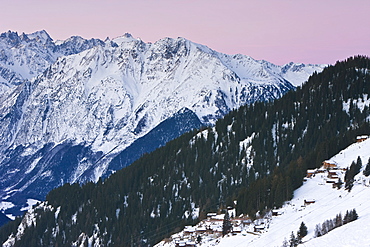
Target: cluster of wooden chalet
point(330, 171)
point(210, 228)
point(331, 167)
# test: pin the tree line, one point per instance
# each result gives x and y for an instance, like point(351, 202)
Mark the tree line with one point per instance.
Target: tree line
point(338, 221)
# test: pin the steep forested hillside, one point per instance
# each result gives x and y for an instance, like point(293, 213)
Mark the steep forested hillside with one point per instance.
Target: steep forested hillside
point(257, 154)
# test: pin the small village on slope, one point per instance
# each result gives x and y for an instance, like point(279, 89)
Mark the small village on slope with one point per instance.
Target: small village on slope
point(326, 194)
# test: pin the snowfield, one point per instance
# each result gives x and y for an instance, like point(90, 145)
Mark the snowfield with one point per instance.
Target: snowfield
point(328, 202)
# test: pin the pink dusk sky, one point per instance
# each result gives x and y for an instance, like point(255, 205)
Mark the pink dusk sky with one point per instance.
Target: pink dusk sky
point(279, 31)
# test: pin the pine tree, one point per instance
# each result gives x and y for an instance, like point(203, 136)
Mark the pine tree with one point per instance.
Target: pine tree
point(199, 239)
point(346, 218)
point(349, 177)
point(350, 216)
point(354, 169)
point(339, 183)
point(367, 169)
point(358, 165)
point(354, 215)
point(338, 220)
point(302, 232)
point(226, 224)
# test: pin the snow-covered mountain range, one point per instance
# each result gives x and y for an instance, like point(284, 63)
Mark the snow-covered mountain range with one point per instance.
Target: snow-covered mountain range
point(315, 202)
point(68, 107)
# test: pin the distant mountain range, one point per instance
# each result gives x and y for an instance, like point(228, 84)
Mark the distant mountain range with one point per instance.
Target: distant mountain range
point(67, 108)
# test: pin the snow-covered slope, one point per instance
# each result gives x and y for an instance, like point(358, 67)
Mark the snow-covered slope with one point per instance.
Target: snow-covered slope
point(91, 99)
point(329, 202)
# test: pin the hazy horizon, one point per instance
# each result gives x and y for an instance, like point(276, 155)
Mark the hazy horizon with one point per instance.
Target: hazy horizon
point(318, 32)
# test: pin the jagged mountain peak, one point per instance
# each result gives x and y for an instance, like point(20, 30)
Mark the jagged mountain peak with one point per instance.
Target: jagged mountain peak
point(77, 44)
point(127, 35)
point(126, 38)
point(42, 36)
point(11, 37)
point(172, 45)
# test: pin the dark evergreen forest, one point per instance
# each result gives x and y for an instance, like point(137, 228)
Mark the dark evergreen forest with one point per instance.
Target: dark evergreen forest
point(209, 168)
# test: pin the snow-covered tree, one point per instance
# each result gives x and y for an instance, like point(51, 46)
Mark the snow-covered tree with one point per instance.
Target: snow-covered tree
point(293, 241)
point(324, 228)
point(285, 243)
point(318, 232)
